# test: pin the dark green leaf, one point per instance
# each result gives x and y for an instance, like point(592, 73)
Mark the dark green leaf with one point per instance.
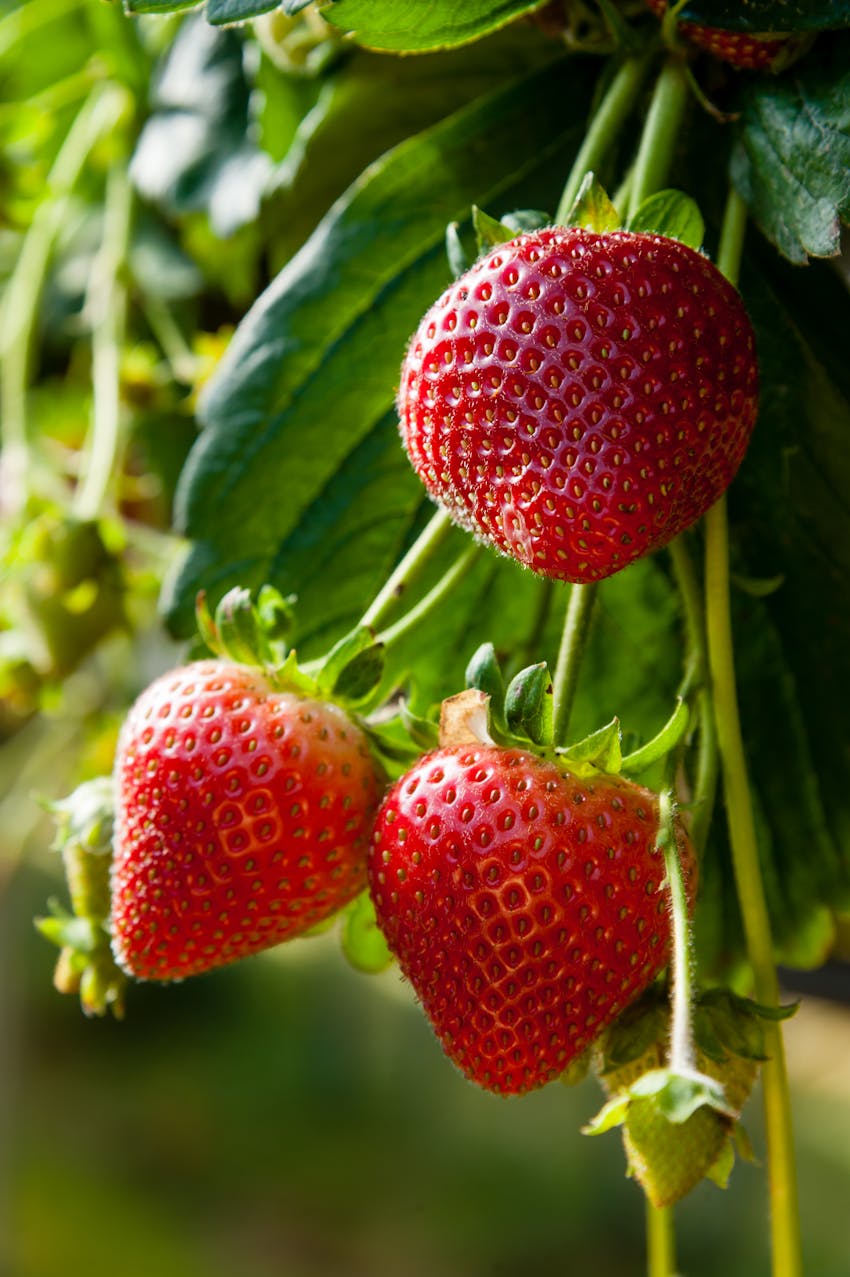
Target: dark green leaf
point(672, 214)
point(298, 477)
point(769, 15)
point(408, 25)
point(222, 12)
point(195, 151)
point(792, 156)
point(368, 104)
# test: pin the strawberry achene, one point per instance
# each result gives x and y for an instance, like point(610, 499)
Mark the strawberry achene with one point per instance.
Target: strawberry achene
point(578, 399)
point(525, 905)
point(243, 818)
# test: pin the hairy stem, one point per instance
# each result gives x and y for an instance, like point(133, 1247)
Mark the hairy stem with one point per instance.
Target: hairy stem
point(573, 643)
point(107, 306)
point(658, 140)
point(612, 113)
point(429, 540)
point(433, 599)
point(785, 1226)
point(682, 1057)
point(660, 1241)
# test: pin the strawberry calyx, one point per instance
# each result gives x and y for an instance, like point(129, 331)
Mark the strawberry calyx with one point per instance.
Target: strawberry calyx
point(520, 713)
point(681, 1125)
point(257, 633)
point(85, 823)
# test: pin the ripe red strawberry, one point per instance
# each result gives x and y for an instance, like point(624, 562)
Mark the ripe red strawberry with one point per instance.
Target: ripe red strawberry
point(243, 818)
point(578, 399)
point(525, 905)
point(743, 49)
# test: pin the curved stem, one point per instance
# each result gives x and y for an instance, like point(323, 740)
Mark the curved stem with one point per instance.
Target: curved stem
point(658, 140)
point(613, 111)
point(573, 643)
point(430, 538)
point(107, 304)
point(785, 1225)
point(23, 292)
point(660, 1241)
point(432, 599)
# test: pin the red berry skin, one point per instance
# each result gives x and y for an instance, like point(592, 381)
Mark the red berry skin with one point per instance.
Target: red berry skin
point(243, 818)
point(741, 49)
point(578, 399)
point(525, 905)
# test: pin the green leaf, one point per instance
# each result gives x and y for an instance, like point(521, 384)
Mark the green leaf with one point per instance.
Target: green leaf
point(298, 478)
point(222, 12)
point(410, 26)
point(792, 155)
point(528, 704)
point(159, 6)
point(593, 209)
point(195, 151)
point(672, 214)
point(369, 103)
point(769, 15)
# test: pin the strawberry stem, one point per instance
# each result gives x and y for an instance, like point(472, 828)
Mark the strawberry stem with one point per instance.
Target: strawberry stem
point(570, 654)
point(658, 140)
point(694, 686)
point(394, 633)
point(612, 113)
point(23, 293)
point(682, 1056)
point(107, 306)
point(785, 1226)
point(429, 540)
point(660, 1241)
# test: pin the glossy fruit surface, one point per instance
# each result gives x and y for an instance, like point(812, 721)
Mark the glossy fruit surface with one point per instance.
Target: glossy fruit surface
point(243, 819)
point(578, 399)
point(525, 905)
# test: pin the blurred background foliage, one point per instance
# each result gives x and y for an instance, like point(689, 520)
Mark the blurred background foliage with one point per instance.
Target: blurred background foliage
point(288, 1117)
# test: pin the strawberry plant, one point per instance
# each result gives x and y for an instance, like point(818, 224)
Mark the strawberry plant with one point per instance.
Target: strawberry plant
point(565, 754)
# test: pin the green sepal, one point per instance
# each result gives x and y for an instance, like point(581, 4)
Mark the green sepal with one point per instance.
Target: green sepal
point(593, 209)
point(722, 1168)
point(521, 220)
point(577, 1071)
point(488, 232)
point(528, 704)
point(459, 263)
point(289, 677)
point(672, 214)
point(613, 1113)
point(640, 1027)
point(362, 940)
point(675, 1097)
point(424, 732)
point(353, 668)
point(735, 1023)
point(600, 750)
point(757, 587)
point(485, 674)
point(667, 739)
point(247, 632)
point(83, 935)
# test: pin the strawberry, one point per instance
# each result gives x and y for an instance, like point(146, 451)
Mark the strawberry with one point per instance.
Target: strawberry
point(525, 905)
point(242, 819)
point(748, 51)
point(578, 398)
